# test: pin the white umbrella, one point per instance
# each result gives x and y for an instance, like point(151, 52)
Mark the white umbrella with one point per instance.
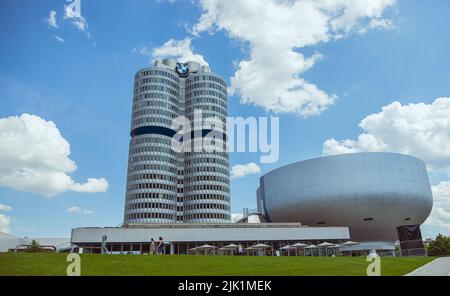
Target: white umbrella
point(249, 249)
point(349, 243)
point(261, 246)
point(312, 246)
point(325, 245)
point(205, 248)
point(230, 247)
point(288, 248)
point(299, 245)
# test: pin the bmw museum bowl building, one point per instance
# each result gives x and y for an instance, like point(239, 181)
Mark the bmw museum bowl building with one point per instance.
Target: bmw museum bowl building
point(370, 193)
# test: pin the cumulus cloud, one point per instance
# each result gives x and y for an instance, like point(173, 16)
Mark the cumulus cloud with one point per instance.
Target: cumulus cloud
point(5, 224)
point(5, 208)
point(440, 215)
point(72, 12)
point(237, 216)
point(78, 210)
point(275, 31)
point(422, 130)
point(242, 170)
point(441, 193)
point(51, 21)
point(34, 157)
point(5, 221)
point(181, 50)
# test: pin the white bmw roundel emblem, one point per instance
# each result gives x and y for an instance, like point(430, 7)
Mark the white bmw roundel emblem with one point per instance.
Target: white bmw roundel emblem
point(182, 69)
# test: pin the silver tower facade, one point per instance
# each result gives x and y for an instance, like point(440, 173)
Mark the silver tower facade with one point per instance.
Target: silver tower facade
point(163, 185)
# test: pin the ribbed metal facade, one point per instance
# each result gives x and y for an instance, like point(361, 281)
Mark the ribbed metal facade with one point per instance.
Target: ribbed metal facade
point(371, 193)
point(165, 186)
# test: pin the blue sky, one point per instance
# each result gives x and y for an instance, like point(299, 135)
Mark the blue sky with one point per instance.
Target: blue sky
point(84, 85)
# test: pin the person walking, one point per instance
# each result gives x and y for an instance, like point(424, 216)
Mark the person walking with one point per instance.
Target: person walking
point(160, 246)
point(152, 247)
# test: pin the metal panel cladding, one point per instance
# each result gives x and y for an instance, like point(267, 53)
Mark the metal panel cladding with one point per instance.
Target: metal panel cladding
point(371, 193)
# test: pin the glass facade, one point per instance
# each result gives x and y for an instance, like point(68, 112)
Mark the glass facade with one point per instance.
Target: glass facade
point(165, 186)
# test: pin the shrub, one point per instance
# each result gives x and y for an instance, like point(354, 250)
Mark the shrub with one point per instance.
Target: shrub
point(440, 246)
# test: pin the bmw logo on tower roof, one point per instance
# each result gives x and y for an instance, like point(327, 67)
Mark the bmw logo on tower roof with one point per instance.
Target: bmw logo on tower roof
point(182, 69)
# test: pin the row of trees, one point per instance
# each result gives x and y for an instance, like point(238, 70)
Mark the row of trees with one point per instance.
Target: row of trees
point(440, 246)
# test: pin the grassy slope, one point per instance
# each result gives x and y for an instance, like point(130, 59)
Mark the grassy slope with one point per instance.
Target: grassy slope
point(55, 264)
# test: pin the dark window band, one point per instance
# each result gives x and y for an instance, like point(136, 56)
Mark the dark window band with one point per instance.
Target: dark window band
point(159, 130)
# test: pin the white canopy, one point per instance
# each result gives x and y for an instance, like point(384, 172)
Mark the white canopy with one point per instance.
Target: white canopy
point(312, 246)
point(230, 246)
point(350, 243)
point(205, 247)
point(325, 245)
point(288, 247)
point(260, 246)
point(299, 245)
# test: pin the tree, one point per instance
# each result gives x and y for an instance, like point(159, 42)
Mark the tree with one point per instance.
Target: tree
point(440, 246)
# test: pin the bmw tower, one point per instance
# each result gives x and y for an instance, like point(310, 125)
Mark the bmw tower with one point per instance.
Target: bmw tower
point(165, 185)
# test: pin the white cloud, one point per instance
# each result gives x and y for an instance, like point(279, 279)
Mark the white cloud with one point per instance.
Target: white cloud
point(74, 210)
point(92, 185)
point(422, 130)
point(5, 224)
point(59, 39)
point(51, 21)
point(168, 1)
point(5, 208)
point(242, 170)
point(181, 50)
point(275, 30)
point(5, 221)
point(73, 13)
point(34, 157)
point(441, 194)
point(237, 216)
point(440, 215)
point(78, 210)
point(377, 23)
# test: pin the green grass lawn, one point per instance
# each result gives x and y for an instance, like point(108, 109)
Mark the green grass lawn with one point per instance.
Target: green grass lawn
point(55, 264)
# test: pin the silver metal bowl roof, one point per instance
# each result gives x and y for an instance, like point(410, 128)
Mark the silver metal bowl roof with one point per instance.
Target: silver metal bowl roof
point(371, 193)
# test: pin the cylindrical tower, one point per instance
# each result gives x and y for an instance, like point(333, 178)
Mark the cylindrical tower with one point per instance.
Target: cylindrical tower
point(165, 185)
point(151, 195)
point(206, 178)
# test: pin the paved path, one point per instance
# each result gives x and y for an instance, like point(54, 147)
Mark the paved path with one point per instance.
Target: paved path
point(438, 267)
